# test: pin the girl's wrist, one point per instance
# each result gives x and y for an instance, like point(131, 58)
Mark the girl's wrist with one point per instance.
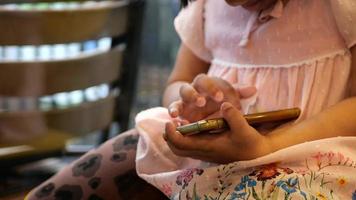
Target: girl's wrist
point(276, 139)
point(262, 145)
point(265, 146)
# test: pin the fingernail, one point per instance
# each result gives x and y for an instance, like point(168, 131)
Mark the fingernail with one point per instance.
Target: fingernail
point(200, 102)
point(173, 111)
point(219, 96)
point(225, 106)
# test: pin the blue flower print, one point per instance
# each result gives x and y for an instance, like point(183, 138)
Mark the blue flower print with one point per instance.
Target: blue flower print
point(303, 194)
point(251, 183)
point(289, 185)
point(235, 195)
point(245, 181)
point(240, 187)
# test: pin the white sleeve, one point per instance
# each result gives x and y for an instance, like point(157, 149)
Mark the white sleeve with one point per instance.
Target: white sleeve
point(345, 15)
point(189, 25)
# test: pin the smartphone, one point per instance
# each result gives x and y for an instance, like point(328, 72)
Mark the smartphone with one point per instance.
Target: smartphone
point(220, 125)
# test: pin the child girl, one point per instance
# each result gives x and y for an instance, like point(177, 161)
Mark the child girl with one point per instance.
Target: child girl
point(242, 56)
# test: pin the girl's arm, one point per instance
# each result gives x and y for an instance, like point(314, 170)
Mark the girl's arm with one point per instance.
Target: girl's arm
point(339, 120)
point(186, 68)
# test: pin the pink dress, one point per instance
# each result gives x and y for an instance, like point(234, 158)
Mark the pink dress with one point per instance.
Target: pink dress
point(296, 55)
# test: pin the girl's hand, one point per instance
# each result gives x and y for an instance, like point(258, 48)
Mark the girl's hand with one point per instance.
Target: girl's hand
point(203, 97)
point(241, 142)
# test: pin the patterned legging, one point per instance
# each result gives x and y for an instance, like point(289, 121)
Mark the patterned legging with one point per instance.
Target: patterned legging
point(95, 175)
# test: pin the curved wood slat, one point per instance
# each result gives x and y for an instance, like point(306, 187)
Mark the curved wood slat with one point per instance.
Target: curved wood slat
point(82, 119)
point(51, 143)
point(35, 1)
point(37, 27)
point(49, 77)
point(20, 127)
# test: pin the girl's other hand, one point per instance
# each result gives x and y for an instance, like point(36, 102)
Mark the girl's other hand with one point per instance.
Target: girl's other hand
point(241, 142)
point(203, 97)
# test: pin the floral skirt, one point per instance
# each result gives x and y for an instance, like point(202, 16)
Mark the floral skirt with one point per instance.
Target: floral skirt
point(323, 169)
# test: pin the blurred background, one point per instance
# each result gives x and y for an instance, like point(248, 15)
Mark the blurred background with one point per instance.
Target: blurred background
point(159, 47)
point(149, 46)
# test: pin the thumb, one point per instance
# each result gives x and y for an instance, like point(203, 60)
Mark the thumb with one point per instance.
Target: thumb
point(233, 117)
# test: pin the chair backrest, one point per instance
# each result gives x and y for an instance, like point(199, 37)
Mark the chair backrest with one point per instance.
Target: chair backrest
point(91, 21)
point(33, 80)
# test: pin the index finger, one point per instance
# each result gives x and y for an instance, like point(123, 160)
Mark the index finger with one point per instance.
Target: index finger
point(190, 95)
point(206, 85)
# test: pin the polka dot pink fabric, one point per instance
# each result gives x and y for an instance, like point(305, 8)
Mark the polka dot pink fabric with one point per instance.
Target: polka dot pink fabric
point(298, 57)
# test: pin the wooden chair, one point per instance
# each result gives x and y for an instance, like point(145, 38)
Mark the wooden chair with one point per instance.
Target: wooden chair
point(43, 133)
point(29, 135)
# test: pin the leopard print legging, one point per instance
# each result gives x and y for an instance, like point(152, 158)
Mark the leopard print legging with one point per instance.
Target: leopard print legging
point(95, 175)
